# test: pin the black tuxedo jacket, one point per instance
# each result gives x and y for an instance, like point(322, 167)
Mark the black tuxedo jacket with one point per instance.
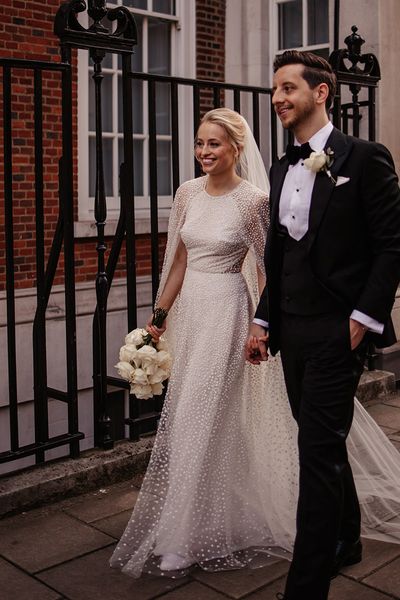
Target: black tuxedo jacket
point(354, 235)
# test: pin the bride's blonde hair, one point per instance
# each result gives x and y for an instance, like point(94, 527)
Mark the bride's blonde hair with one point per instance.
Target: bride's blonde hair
point(250, 165)
point(232, 123)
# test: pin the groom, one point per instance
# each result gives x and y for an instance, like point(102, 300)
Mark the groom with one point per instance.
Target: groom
point(333, 265)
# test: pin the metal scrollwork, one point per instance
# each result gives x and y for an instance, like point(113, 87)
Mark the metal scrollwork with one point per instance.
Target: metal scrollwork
point(353, 54)
point(72, 33)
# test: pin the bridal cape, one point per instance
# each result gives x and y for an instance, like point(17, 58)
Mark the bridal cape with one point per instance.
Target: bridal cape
point(222, 484)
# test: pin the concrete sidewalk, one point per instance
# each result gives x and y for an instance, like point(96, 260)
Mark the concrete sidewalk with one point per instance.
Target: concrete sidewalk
point(61, 551)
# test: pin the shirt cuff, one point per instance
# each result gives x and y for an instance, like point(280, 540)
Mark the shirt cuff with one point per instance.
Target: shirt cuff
point(367, 321)
point(261, 322)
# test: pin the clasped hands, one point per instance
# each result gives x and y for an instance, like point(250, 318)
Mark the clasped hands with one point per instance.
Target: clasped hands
point(256, 347)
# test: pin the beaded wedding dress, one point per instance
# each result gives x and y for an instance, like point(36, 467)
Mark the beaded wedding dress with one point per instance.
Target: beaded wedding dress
point(221, 486)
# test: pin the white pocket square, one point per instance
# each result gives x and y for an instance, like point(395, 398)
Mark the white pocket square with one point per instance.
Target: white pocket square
point(341, 180)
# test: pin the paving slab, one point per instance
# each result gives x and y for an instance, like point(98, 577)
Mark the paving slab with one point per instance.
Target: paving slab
point(239, 583)
point(376, 554)
point(347, 589)
point(115, 525)
point(194, 591)
point(388, 430)
point(91, 578)
point(387, 579)
point(386, 416)
point(38, 541)
point(269, 592)
point(104, 503)
point(17, 585)
point(393, 400)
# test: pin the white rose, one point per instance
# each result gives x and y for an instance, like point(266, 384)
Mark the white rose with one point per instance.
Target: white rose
point(140, 377)
point(166, 366)
point(125, 370)
point(142, 392)
point(158, 376)
point(316, 161)
point(147, 355)
point(135, 337)
point(162, 344)
point(157, 389)
point(164, 359)
point(151, 368)
point(127, 353)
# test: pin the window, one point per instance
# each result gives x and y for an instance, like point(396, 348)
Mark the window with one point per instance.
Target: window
point(303, 24)
point(164, 27)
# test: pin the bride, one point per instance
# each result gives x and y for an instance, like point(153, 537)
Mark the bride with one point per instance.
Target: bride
point(221, 487)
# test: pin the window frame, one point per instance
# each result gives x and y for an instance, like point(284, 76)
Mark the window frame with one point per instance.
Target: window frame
point(183, 63)
point(305, 47)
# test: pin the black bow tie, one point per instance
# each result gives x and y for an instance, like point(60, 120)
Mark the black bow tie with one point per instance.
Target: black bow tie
point(295, 153)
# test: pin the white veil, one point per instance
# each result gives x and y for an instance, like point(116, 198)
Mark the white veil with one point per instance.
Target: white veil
point(251, 163)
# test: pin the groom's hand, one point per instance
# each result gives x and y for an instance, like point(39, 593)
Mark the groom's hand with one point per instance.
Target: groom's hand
point(256, 345)
point(357, 332)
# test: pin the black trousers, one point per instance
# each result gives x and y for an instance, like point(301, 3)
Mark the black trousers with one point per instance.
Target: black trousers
point(321, 374)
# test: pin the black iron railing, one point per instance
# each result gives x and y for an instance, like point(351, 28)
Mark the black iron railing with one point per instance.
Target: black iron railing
point(254, 101)
point(45, 273)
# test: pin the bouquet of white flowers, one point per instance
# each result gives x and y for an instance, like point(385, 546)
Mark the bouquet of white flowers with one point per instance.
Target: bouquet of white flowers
point(144, 362)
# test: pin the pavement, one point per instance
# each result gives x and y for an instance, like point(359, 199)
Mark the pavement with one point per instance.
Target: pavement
point(61, 551)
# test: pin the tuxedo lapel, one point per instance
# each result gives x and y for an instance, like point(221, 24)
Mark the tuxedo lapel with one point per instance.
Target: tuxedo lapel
point(276, 189)
point(280, 170)
point(341, 145)
point(324, 186)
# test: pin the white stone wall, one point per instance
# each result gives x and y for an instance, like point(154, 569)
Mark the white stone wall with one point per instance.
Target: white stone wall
point(56, 359)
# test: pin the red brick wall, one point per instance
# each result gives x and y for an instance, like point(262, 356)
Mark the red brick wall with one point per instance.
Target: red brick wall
point(210, 42)
point(26, 31)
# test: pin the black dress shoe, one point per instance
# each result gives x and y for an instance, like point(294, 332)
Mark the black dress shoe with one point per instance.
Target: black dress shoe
point(280, 596)
point(347, 553)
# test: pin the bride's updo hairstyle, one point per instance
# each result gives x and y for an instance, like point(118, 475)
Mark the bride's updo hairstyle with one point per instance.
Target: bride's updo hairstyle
point(231, 122)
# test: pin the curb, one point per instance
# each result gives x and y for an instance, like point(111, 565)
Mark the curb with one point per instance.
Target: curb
point(65, 477)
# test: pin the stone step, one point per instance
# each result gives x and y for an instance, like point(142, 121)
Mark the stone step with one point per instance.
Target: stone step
point(54, 481)
point(375, 385)
point(388, 359)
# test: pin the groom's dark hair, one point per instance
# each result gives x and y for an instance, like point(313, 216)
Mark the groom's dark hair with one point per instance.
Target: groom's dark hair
point(316, 69)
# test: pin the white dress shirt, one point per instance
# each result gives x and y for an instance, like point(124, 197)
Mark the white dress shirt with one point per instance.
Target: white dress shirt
point(294, 209)
point(295, 200)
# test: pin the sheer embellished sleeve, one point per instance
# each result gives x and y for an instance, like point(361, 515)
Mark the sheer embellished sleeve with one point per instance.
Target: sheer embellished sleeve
point(176, 221)
point(253, 205)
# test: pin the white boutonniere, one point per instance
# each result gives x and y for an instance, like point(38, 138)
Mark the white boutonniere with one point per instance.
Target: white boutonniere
point(321, 161)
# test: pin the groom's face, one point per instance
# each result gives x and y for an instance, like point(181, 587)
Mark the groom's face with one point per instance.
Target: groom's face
point(293, 99)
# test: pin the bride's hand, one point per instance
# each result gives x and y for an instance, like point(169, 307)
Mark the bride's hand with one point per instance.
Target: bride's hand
point(155, 332)
point(256, 345)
